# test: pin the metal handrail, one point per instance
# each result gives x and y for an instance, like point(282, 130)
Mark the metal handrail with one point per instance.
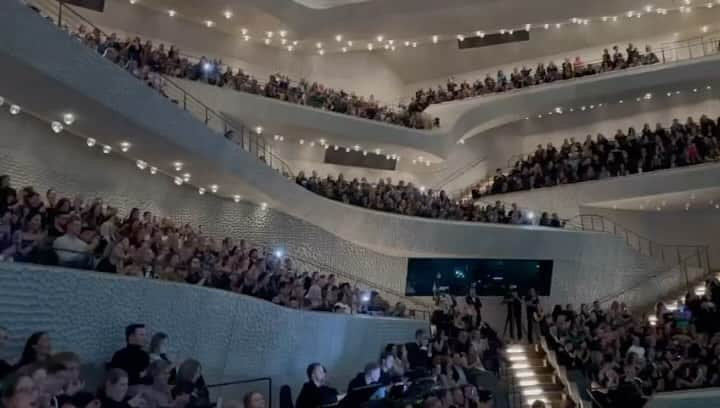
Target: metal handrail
point(248, 381)
point(249, 140)
point(654, 248)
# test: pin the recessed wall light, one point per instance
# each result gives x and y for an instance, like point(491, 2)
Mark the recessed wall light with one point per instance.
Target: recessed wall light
point(282, 33)
point(214, 188)
point(237, 198)
point(69, 119)
point(172, 13)
point(124, 147)
point(201, 191)
point(153, 170)
point(338, 38)
point(209, 23)
point(380, 38)
point(178, 165)
point(186, 177)
point(141, 164)
point(435, 39)
point(178, 181)
point(90, 142)
point(263, 205)
point(107, 149)
point(56, 126)
point(14, 109)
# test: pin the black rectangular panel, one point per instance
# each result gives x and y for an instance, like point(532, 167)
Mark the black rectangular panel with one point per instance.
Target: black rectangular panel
point(491, 277)
point(357, 159)
point(493, 39)
point(97, 5)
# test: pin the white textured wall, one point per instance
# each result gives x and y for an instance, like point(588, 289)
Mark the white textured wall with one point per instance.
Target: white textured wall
point(234, 337)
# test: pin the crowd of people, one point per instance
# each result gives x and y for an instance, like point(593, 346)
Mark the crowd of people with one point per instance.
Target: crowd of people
point(525, 77)
point(143, 59)
point(407, 199)
point(626, 358)
point(90, 234)
point(626, 153)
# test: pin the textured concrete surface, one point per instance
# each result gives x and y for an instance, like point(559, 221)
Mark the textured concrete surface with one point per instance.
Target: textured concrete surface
point(235, 337)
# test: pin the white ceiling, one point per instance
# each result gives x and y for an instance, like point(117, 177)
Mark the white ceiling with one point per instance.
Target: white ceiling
point(326, 4)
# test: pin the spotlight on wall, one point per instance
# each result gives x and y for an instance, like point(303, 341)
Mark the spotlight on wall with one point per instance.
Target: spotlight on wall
point(124, 147)
point(141, 164)
point(338, 38)
point(209, 23)
point(153, 170)
point(56, 126)
point(172, 13)
point(264, 205)
point(214, 188)
point(380, 38)
point(237, 198)
point(282, 33)
point(228, 14)
point(435, 39)
point(107, 149)
point(178, 181)
point(258, 130)
point(201, 191)
point(186, 177)
point(178, 165)
point(14, 109)
point(91, 142)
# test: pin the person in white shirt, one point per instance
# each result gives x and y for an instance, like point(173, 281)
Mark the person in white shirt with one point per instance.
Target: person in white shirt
point(71, 250)
point(636, 348)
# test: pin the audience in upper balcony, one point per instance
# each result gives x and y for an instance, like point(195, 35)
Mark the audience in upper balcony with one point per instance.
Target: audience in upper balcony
point(600, 158)
point(91, 235)
point(525, 77)
point(627, 358)
point(406, 199)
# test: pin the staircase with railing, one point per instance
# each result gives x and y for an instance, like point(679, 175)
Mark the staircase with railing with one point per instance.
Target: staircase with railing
point(249, 139)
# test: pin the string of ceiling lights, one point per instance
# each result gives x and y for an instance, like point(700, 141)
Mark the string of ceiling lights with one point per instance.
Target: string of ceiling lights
point(179, 178)
point(340, 44)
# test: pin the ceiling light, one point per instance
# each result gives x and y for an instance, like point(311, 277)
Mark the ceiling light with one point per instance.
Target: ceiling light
point(364, 152)
point(377, 151)
point(387, 46)
point(620, 101)
point(177, 166)
point(528, 27)
point(669, 94)
point(124, 146)
point(209, 23)
point(648, 8)
point(647, 96)
point(237, 198)
point(480, 34)
point(540, 116)
point(387, 156)
point(322, 141)
point(141, 164)
point(461, 141)
point(258, 130)
point(336, 148)
point(344, 49)
point(283, 41)
point(267, 41)
point(414, 44)
point(228, 14)
point(133, 1)
point(630, 14)
point(290, 48)
point(246, 38)
point(687, 2)
point(695, 90)
point(214, 188)
point(312, 144)
point(178, 181)
point(704, 29)
point(91, 142)
point(269, 34)
point(318, 45)
point(347, 150)
point(263, 205)
point(380, 38)
point(14, 109)
point(392, 48)
point(391, 42)
point(302, 141)
point(107, 149)
point(574, 20)
point(708, 87)
point(186, 177)
point(282, 33)
point(153, 170)
point(582, 108)
point(407, 43)
point(435, 39)
point(502, 31)
point(56, 126)
point(244, 31)
point(68, 118)
point(356, 147)
point(2, 101)
point(370, 47)
point(321, 52)
point(349, 43)
point(295, 42)
point(338, 38)
point(172, 13)
point(557, 25)
point(709, 5)
point(201, 191)
point(427, 164)
point(677, 92)
point(546, 26)
point(614, 18)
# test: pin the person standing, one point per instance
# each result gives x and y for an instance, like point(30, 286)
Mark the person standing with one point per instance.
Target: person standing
point(532, 303)
point(514, 312)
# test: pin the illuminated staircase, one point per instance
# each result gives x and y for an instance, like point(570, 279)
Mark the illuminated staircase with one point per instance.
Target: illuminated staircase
point(531, 377)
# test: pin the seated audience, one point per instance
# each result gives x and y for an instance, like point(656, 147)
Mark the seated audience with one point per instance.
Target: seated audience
point(624, 154)
point(369, 376)
point(406, 199)
point(314, 392)
point(627, 358)
point(92, 235)
point(19, 391)
point(37, 350)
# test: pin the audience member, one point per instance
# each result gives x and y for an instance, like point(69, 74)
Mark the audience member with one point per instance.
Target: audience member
point(370, 375)
point(5, 367)
point(254, 400)
point(36, 351)
point(133, 359)
point(314, 392)
point(19, 391)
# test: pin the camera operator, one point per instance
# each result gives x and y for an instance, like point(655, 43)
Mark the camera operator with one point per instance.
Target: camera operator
point(514, 312)
point(532, 304)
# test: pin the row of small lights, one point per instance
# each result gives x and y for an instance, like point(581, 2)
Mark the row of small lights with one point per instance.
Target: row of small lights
point(322, 143)
point(525, 374)
point(69, 118)
point(391, 45)
point(559, 110)
point(688, 204)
